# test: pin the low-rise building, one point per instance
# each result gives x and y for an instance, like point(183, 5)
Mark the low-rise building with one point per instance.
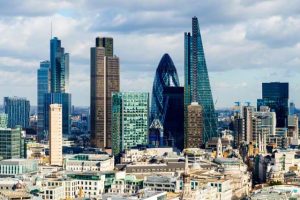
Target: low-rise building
point(12, 167)
point(162, 183)
point(53, 192)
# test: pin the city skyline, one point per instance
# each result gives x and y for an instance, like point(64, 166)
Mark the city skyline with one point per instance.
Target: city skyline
point(247, 46)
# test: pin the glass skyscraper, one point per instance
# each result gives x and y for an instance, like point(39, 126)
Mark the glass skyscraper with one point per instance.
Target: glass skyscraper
point(197, 85)
point(165, 76)
point(275, 95)
point(17, 110)
point(130, 112)
point(59, 67)
point(43, 87)
point(3, 120)
point(58, 98)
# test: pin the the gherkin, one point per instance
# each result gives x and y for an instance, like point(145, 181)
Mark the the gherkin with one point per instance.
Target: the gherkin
point(197, 86)
point(166, 76)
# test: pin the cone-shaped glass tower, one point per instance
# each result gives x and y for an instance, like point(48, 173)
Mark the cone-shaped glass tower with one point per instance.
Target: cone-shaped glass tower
point(196, 85)
point(166, 75)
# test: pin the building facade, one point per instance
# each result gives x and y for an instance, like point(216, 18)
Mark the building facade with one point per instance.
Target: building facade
point(3, 120)
point(17, 110)
point(43, 87)
point(130, 112)
point(58, 98)
point(275, 95)
point(194, 134)
point(11, 143)
point(197, 85)
point(55, 130)
point(105, 79)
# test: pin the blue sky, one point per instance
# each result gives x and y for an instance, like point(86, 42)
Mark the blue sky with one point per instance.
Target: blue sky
point(246, 42)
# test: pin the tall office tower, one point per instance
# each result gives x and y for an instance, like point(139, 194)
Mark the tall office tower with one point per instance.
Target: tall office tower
point(107, 43)
point(238, 129)
point(174, 117)
point(292, 109)
point(43, 87)
point(276, 96)
point(59, 67)
point(18, 110)
point(3, 120)
point(11, 143)
point(55, 130)
point(130, 111)
point(194, 137)
point(58, 98)
point(165, 76)
point(105, 79)
point(247, 115)
point(197, 86)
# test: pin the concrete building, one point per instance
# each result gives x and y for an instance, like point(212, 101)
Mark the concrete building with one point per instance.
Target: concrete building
point(55, 140)
point(105, 79)
point(194, 137)
point(162, 183)
point(89, 162)
point(54, 192)
point(13, 167)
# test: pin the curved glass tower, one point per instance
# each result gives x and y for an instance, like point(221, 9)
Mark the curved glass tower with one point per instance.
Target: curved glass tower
point(166, 76)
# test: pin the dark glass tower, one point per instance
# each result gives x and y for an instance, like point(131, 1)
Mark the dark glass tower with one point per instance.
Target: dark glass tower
point(17, 110)
point(165, 76)
point(276, 96)
point(197, 86)
point(59, 67)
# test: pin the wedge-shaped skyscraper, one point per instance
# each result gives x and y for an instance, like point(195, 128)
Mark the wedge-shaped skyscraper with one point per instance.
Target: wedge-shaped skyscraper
point(197, 86)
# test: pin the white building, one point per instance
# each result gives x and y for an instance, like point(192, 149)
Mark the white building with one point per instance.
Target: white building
point(53, 192)
point(89, 162)
point(162, 183)
point(55, 130)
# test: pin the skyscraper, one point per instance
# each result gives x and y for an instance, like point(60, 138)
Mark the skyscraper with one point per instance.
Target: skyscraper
point(58, 98)
point(194, 133)
point(55, 130)
point(17, 110)
point(105, 79)
point(129, 120)
point(165, 76)
point(276, 95)
point(43, 87)
point(197, 85)
point(59, 67)
point(59, 90)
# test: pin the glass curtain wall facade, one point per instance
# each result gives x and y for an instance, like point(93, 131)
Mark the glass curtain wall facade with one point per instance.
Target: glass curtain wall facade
point(43, 87)
point(17, 110)
point(275, 95)
point(197, 86)
point(130, 112)
point(3, 120)
point(58, 98)
point(11, 143)
point(165, 76)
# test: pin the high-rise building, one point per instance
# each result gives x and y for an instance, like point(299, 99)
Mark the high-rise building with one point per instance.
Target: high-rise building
point(276, 95)
point(11, 143)
point(197, 85)
point(292, 109)
point(107, 43)
point(174, 117)
point(105, 79)
point(293, 128)
point(3, 120)
point(58, 98)
point(18, 110)
point(238, 129)
point(247, 116)
point(55, 132)
point(194, 134)
point(59, 67)
point(165, 76)
point(130, 111)
point(43, 87)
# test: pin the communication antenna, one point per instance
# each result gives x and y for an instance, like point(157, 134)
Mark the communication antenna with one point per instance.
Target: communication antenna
point(51, 30)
